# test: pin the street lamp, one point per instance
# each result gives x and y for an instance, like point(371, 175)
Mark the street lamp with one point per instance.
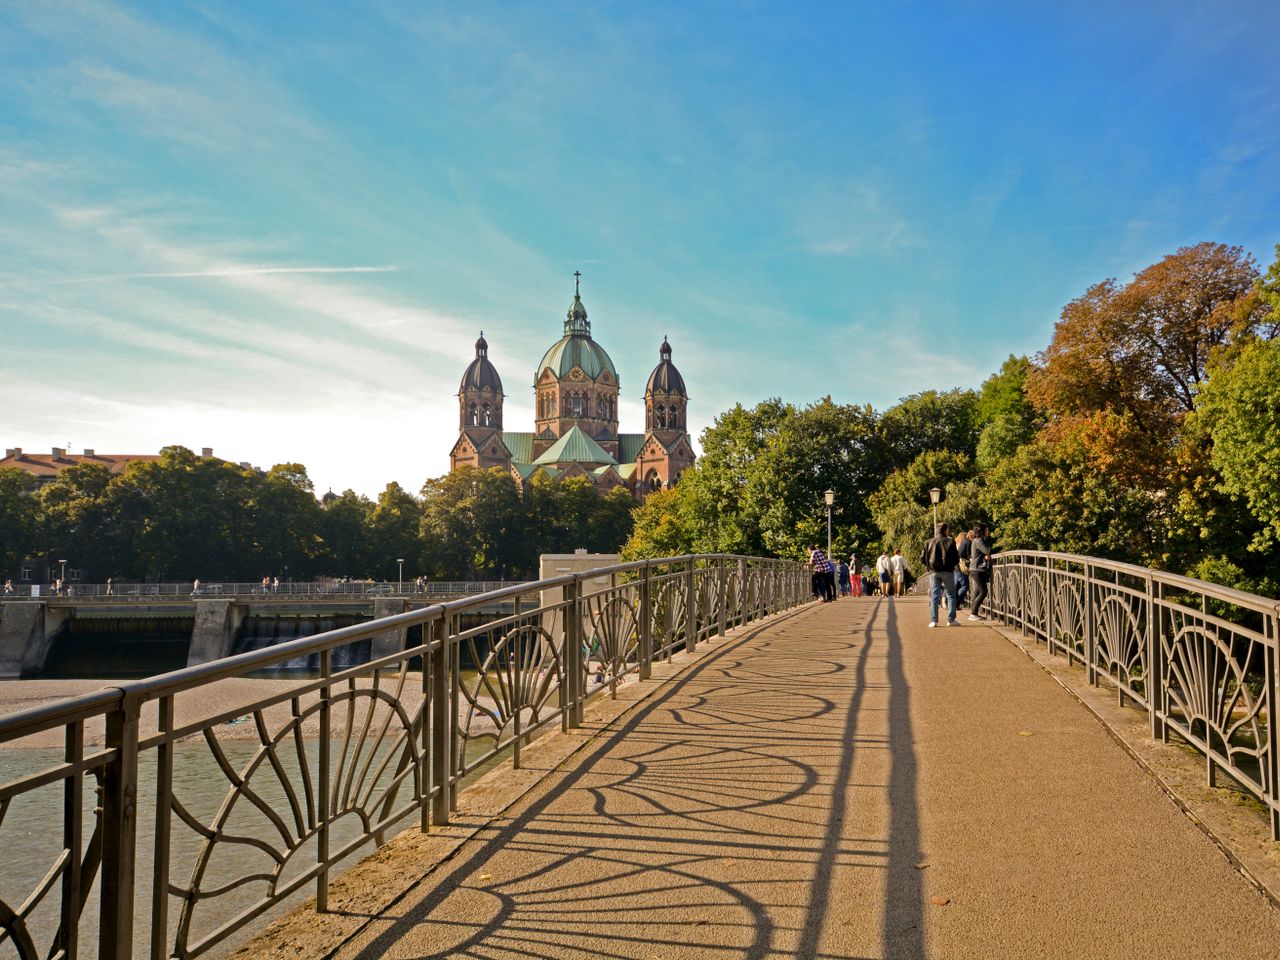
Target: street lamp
point(400, 578)
point(63, 578)
point(830, 497)
point(935, 496)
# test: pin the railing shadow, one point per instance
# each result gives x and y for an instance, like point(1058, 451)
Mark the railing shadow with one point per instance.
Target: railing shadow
point(696, 826)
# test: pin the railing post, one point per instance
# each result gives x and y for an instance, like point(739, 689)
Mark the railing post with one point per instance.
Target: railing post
point(572, 658)
point(161, 845)
point(119, 832)
point(645, 626)
point(743, 592)
point(723, 567)
point(322, 800)
point(691, 608)
point(1090, 640)
point(441, 742)
point(1272, 679)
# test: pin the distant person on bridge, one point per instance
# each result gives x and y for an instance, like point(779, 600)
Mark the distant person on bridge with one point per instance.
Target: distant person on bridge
point(855, 575)
point(883, 573)
point(940, 558)
point(979, 570)
point(898, 564)
point(842, 577)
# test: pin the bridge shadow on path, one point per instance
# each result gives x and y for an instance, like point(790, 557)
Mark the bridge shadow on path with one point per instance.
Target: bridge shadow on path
point(763, 805)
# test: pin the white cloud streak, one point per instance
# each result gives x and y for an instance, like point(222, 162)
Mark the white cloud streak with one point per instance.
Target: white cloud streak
point(238, 270)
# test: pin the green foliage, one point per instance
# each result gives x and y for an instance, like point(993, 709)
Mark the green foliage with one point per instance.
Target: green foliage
point(1240, 408)
point(182, 517)
point(660, 528)
point(931, 421)
point(902, 510)
point(19, 516)
point(1057, 494)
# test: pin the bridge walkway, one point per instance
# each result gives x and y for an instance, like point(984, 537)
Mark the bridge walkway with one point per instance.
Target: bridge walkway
point(841, 782)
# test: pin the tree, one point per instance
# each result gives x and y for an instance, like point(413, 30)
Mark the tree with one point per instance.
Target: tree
point(824, 446)
point(931, 421)
point(473, 524)
point(76, 520)
point(395, 532)
point(19, 517)
point(902, 509)
point(344, 530)
point(286, 522)
point(1006, 418)
point(1067, 491)
point(720, 516)
point(1141, 349)
point(1240, 408)
point(660, 529)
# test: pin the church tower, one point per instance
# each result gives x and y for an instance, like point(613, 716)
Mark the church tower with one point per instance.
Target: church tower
point(480, 415)
point(667, 450)
point(576, 385)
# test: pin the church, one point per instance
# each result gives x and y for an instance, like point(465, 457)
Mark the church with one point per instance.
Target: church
point(576, 418)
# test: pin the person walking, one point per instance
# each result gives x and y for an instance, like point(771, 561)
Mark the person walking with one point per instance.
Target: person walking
point(842, 578)
point(898, 564)
point(855, 575)
point(979, 571)
point(940, 559)
point(883, 573)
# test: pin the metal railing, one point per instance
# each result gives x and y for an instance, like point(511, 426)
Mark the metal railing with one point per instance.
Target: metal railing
point(322, 590)
point(325, 764)
point(1199, 658)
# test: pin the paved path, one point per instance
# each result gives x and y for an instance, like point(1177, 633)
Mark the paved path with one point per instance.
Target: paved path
point(843, 783)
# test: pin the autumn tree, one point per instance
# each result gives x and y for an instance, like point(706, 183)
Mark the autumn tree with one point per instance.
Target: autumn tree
point(1142, 348)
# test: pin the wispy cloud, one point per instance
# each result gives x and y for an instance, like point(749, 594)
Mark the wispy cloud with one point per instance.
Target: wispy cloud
point(238, 270)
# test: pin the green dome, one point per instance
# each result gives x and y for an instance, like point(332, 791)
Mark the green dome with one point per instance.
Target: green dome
point(576, 350)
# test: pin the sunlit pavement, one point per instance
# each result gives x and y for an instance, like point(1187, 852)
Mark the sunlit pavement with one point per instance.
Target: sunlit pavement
point(840, 782)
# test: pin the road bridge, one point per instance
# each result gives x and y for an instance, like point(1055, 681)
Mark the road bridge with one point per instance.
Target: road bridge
point(727, 771)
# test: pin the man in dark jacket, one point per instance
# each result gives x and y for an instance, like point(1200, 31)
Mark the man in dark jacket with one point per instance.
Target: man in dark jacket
point(940, 558)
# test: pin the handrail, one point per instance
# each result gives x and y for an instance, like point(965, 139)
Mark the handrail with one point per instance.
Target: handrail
point(184, 590)
point(1202, 660)
point(382, 739)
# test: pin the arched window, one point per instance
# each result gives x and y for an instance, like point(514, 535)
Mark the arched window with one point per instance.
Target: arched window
point(488, 416)
point(471, 415)
point(660, 417)
point(652, 481)
point(577, 405)
point(674, 419)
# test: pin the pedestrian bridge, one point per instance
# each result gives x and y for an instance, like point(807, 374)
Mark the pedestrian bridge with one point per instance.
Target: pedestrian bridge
point(726, 771)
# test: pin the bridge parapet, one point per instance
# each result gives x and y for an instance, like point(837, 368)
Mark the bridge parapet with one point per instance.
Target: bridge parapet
point(332, 760)
point(1202, 660)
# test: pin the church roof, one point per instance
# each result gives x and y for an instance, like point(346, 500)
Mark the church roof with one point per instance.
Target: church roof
point(665, 377)
point(576, 350)
point(576, 446)
point(629, 447)
point(481, 374)
point(520, 445)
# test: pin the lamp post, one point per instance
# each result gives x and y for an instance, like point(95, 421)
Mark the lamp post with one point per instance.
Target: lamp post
point(63, 576)
point(830, 497)
point(935, 496)
point(400, 576)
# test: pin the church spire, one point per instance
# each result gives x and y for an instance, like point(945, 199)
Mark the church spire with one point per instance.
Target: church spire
point(576, 322)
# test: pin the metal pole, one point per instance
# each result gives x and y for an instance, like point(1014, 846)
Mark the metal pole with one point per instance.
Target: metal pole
point(828, 531)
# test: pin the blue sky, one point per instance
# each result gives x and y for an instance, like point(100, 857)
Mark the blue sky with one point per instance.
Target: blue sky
point(277, 228)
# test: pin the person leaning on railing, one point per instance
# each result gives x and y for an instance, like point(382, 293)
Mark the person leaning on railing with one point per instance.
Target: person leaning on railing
point(979, 570)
